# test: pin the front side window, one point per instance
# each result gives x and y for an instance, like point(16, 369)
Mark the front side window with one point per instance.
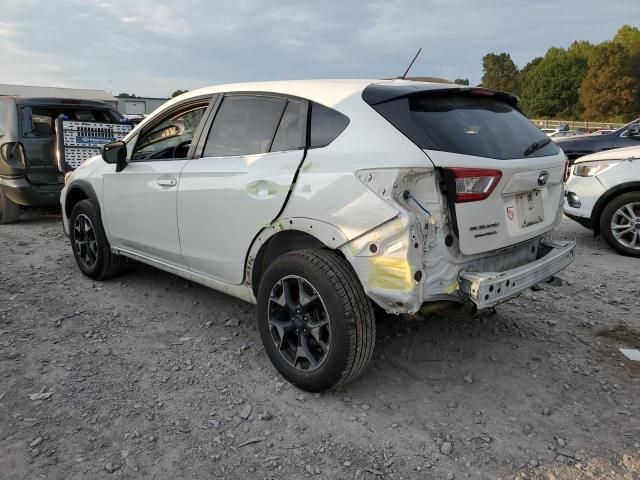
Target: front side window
point(244, 125)
point(171, 138)
point(41, 121)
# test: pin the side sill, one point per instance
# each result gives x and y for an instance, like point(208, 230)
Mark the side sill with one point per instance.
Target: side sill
point(242, 291)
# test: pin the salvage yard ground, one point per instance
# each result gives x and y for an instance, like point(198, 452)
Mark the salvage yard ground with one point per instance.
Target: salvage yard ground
point(151, 376)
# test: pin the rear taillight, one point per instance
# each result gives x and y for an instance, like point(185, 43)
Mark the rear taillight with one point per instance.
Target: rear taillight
point(473, 184)
point(565, 177)
point(12, 154)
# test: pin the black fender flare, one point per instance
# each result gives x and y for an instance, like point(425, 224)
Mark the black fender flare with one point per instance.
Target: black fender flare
point(86, 188)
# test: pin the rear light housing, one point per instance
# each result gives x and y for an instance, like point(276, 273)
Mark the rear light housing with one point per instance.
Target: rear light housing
point(12, 154)
point(472, 184)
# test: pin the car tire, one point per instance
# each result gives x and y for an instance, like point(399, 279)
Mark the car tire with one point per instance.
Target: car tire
point(323, 337)
point(615, 217)
point(89, 243)
point(9, 211)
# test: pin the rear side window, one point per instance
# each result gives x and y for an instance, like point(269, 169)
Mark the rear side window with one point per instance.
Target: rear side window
point(291, 131)
point(41, 121)
point(244, 125)
point(326, 125)
point(467, 124)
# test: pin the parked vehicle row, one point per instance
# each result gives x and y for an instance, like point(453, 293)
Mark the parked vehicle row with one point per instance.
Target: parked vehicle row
point(321, 201)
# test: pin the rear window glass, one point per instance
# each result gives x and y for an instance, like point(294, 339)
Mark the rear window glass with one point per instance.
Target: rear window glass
point(326, 125)
point(468, 124)
point(42, 120)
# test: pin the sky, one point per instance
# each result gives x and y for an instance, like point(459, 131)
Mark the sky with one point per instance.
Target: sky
point(153, 47)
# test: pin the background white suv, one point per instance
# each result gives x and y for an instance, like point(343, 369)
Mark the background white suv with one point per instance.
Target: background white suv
point(319, 200)
point(603, 194)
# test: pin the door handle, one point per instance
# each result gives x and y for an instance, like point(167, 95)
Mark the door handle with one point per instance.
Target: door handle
point(167, 182)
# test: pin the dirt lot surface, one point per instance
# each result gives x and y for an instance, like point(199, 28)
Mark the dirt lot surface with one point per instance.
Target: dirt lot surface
point(150, 376)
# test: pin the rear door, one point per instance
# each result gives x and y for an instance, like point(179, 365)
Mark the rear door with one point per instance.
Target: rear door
point(503, 176)
point(241, 181)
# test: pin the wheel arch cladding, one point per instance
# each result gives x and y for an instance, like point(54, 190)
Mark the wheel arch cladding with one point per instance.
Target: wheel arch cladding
point(282, 242)
point(78, 191)
point(607, 197)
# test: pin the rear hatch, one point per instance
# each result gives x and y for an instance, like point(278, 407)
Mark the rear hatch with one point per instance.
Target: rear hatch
point(502, 176)
point(38, 135)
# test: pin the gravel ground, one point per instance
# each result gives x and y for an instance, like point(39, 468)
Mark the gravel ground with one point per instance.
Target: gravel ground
point(150, 376)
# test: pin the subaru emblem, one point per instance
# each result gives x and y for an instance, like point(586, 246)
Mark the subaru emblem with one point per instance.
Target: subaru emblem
point(543, 178)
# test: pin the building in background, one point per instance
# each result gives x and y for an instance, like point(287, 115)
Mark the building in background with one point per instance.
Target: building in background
point(57, 92)
point(129, 105)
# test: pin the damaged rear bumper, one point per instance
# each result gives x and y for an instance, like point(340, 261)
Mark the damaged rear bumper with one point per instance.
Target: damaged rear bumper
point(487, 289)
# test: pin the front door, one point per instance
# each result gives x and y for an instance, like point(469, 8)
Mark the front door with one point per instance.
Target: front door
point(139, 203)
point(241, 182)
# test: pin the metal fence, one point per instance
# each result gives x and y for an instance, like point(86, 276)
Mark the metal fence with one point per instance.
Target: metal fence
point(573, 124)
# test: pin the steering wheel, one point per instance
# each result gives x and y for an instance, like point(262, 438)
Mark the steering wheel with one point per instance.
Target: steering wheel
point(177, 153)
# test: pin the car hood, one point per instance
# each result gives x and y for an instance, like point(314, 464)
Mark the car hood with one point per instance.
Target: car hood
point(615, 154)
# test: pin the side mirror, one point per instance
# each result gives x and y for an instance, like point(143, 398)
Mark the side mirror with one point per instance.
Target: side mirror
point(115, 152)
point(633, 129)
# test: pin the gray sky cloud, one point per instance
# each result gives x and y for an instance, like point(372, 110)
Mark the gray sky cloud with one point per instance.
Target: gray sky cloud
point(152, 47)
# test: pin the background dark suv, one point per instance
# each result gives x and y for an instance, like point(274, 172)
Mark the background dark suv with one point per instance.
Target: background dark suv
point(29, 174)
point(578, 146)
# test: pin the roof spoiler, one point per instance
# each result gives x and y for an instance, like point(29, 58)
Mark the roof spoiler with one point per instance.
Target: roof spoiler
point(375, 94)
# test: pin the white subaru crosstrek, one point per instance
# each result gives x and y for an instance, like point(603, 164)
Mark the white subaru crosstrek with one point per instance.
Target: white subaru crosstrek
point(603, 194)
point(322, 200)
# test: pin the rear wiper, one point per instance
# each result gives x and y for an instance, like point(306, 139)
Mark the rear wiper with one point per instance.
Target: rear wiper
point(535, 146)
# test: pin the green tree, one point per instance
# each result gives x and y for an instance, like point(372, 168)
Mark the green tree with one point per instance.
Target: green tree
point(550, 85)
point(628, 36)
point(127, 95)
point(178, 92)
point(461, 81)
point(500, 73)
point(611, 88)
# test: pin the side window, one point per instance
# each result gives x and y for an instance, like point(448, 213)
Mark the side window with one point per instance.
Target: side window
point(291, 131)
point(326, 125)
point(244, 125)
point(171, 138)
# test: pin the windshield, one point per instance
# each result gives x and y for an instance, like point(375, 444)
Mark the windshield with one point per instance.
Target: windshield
point(467, 123)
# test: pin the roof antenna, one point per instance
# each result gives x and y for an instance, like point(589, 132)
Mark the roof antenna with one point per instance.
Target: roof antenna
point(411, 64)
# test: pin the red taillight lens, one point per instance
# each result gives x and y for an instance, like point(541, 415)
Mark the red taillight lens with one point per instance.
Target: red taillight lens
point(473, 184)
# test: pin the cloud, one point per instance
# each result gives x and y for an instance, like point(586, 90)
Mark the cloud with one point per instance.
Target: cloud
point(154, 47)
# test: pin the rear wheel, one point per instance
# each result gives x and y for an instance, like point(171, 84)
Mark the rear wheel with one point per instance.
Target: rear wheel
point(9, 211)
point(620, 224)
point(89, 243)
point(316, 323)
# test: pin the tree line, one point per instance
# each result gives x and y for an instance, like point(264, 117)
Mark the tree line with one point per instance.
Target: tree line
point(595, 82)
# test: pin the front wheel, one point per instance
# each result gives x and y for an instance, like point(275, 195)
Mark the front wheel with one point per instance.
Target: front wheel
point(316, 323)
point(620, 224)
point(90, 245)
